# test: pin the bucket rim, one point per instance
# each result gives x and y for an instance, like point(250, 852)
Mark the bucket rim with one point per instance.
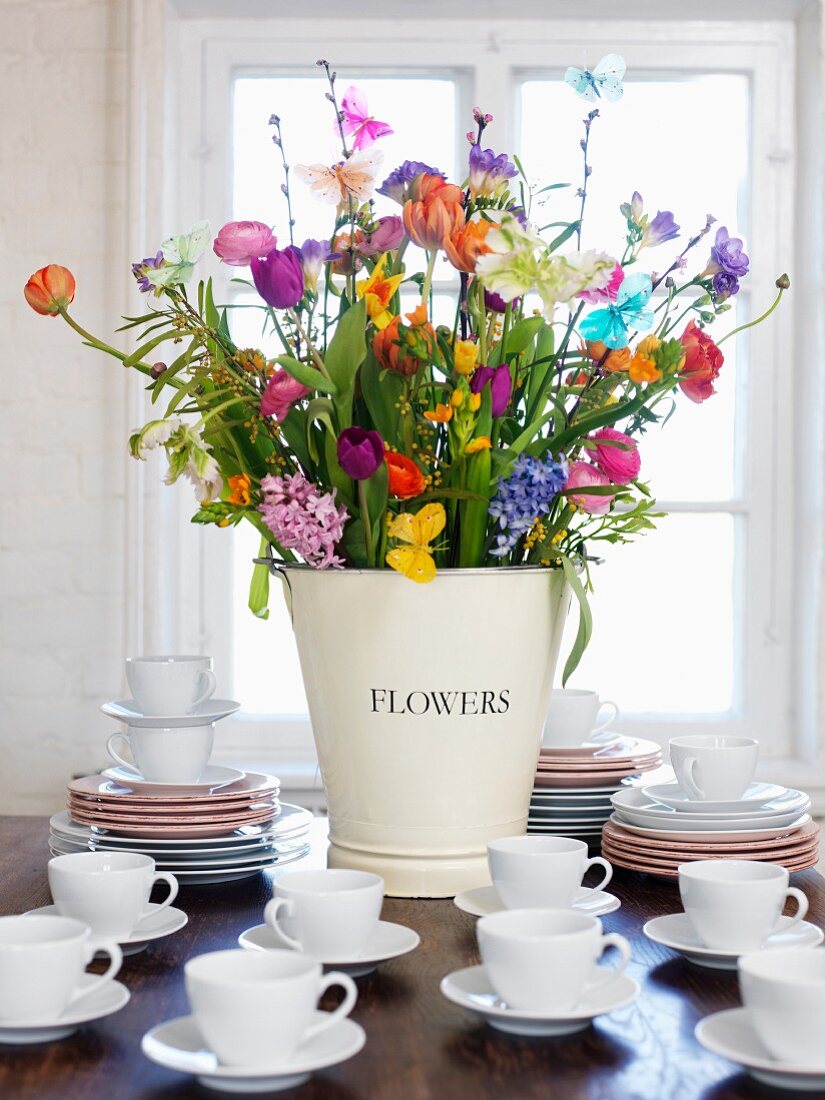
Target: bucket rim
point(276, 566)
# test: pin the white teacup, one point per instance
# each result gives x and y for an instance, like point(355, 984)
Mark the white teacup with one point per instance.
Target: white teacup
point(710, 767)
point(541, 872)
point(545, 959)
point(784, 992)
point(571, 717)
point(255, 1007)
point(178, 755)
point(108, 891)
point(170, 685)
point(735, 904)
point(330, 914)
point(42, 962)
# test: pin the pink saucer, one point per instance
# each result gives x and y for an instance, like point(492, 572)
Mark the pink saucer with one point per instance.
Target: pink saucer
point(171, 815)
point(100, 786)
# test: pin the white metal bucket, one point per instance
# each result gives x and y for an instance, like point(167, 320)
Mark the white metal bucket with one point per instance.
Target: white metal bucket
point(427, 704)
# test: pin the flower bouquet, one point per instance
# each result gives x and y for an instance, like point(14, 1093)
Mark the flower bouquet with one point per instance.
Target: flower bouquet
point(378, 440)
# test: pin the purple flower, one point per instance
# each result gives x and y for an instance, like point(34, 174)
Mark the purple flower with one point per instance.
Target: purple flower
point(727, 255)
point(314, 254)
point(501, 385)
point(662, 228)
point(724, 286)
point(302, 518)
point(279, 277)
point(360, 452)
point(524, 497)
point(139, 270)
point(397, 184)
point(496, 303)
point(387, 235)
point(519, 213)
point(488, 171)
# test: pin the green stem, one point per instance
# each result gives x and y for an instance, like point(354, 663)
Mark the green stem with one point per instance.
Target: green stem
point(757, 321)
point(144, 368)
point(365, 519)
point(428, 278)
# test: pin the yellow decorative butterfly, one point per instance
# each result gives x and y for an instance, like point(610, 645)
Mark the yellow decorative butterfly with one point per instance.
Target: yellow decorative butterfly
point(415, 560)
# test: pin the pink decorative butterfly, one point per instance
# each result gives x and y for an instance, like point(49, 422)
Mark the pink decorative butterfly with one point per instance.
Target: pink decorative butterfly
point(356, 121)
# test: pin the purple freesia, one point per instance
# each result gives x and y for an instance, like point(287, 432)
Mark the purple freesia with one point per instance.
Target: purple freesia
point(139, 270)
point(386, 236)
point(360, 452)
point(314, 254)
point(397, 184)
point(728, 255)
point(279, 277)
point(662, 228)
point(488, 171)
point(724, 285)
point(501, 385)
point(519, 213)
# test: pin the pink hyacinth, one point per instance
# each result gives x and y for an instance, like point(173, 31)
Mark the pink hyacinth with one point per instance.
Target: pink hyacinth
point(302, 518)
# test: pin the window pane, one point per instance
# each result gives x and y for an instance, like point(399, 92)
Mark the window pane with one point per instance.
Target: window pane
point(663, 620)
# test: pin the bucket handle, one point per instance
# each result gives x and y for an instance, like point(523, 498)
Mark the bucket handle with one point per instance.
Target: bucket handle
point(276, 569)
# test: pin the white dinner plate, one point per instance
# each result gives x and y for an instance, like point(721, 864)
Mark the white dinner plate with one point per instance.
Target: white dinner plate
point(712, 835)
point(636, 807)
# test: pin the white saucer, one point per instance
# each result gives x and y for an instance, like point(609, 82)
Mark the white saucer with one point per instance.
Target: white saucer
point(676, 932)
point(178, 1045)
point(390, 941)
point(731, 1034)
point(213, 779)
point(211, 710)
point(111, 997)
point(154, 926)
point(470, 988)
point(484, 900)
point(758, 798)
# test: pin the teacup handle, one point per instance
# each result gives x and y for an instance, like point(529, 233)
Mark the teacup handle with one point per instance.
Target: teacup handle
point(335, 977)
point(801, 907)
point(608, 870)
point(116, 738)
point(211, 682)
point(611, 939)
point(169, 878)
point(610, 718)
point(271, 917)
point(693, 788)
point(115, 963)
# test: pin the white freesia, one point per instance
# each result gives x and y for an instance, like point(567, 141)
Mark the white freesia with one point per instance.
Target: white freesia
point(202, 470)
point(156, 433)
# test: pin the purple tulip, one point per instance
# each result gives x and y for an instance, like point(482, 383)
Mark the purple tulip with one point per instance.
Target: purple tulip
point(496, 303)
point(279, 277)
point(501, 385)
point(387, 235)
point(727, 254)
point(360, 452)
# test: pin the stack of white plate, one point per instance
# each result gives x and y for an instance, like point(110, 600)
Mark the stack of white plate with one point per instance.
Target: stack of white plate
point(578, 813)
point(654, 829)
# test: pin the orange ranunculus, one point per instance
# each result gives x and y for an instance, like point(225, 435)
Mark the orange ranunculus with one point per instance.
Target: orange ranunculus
point(394, 345)
point(405, 477)
point(434, 213)
point(239, 484)
point(50, 289)
point(641, 369)
point(615, 359)
point(702, 363)
point(466, 243)
point(441, 414)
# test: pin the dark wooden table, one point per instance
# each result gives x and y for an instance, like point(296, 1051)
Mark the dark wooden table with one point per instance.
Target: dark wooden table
point(419, 1046)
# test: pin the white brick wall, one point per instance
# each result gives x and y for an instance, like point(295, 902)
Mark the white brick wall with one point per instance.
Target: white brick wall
point(62, 407)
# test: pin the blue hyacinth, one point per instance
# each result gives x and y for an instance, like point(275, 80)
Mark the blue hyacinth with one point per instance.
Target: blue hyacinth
point(524, 496)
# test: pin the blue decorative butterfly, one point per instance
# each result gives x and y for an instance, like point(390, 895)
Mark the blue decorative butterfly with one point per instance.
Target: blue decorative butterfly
point(605, 80)
point(611, 325)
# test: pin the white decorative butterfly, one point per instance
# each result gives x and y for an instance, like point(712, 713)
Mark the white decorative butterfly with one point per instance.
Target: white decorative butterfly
point(355, 176)
point(605, 80)
point(180, 254)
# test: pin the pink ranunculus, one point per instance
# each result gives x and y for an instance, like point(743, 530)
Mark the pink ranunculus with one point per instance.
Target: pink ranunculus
point(607, 293)
point(619, 460)
point(239, 243)
point(387, 235)
point(281, 393)
point(581, 475)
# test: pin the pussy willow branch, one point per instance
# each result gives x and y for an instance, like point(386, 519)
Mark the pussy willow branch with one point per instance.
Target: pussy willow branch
point(347, 153)
point(588, 171)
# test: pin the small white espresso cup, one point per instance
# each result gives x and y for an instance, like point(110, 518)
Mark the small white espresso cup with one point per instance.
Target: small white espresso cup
point(170, 685)
point(42, 962)
point(710, 767)
point(108, 891)
point(541, 872)
point(571, 717)
point(178, 755)
point(784, 992)
point(330, 914)
point(255, 1007)
point(545, 959)
point(735, 904)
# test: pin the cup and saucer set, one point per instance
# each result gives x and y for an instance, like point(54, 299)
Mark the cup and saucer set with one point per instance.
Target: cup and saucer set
point(254, 1025)
point(540, 940)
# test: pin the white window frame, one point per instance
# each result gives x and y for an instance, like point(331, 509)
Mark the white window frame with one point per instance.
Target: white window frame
point(780, 624)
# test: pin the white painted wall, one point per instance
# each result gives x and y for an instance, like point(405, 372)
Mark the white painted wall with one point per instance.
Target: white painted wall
point(62, 407)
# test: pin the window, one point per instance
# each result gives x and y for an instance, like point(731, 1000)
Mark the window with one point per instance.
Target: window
point(692, 622)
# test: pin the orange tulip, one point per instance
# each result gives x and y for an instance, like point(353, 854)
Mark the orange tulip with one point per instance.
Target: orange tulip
point(405, 477)
point(50, 289)
point(435, 211)
point(466, 243)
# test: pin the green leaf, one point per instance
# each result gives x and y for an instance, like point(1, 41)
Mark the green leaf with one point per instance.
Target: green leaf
point(374, 495)
point(347, 349)
point(585, 630)
point(521, 335)
point(382, 391)
point(565, 235)
point(259, 585)
point(140, 353)
point(306, 375)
